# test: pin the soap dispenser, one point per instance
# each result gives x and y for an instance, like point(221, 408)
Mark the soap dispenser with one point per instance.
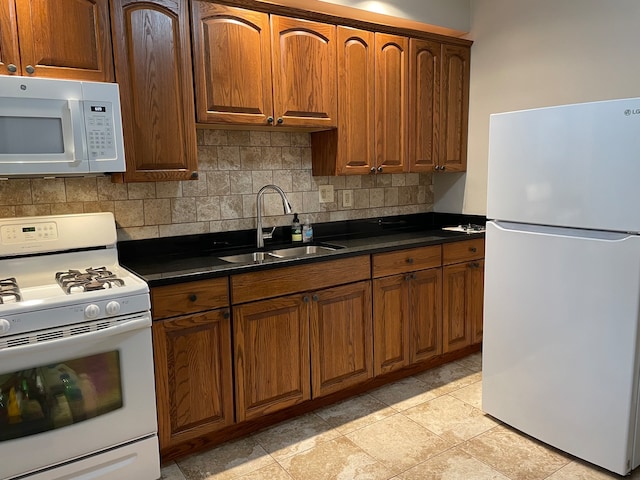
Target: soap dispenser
point(307, 232)
point(296, 229)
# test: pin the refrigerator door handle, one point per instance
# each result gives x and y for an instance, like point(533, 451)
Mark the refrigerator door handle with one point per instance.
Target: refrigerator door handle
point(563, 232)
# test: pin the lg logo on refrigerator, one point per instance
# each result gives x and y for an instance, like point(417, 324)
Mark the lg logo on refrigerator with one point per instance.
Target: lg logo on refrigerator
point(632, 111)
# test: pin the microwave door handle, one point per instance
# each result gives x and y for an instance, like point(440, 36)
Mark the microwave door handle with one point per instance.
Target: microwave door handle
point(137, 323)
point(79, 133)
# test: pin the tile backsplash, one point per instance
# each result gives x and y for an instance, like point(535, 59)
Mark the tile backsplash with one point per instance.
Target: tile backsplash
point(233, 166)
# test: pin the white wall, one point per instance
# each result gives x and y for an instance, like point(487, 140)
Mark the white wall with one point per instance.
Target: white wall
point(538, 53)
point(452, 14)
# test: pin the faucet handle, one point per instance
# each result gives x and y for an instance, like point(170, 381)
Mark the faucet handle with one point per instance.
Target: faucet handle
point(268, 235)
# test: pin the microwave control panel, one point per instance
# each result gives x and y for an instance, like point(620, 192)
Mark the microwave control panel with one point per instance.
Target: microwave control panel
point(98, 118)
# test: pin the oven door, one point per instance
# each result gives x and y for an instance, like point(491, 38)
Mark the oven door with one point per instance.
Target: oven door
point(74, 392)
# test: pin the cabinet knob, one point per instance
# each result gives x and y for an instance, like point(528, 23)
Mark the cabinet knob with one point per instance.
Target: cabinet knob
point(280, 120)
point(473, 249)
point(409, 260)
point(193, 297)
point(443, 168)
point(30, 70)
point(12, 68)
point(194, 175)
point(380, 169)
point(407, 278)
point(316, 298)
point(305, 299)
point(270, 120)
point(373, 170)
point(226, 314)
point(436, 167)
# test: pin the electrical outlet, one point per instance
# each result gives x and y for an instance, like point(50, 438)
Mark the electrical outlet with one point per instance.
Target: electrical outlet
point(347, 198)
point(326, 193)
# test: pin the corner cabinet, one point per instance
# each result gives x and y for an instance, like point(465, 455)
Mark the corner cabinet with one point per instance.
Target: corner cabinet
point(253, 68)
point(56, 39)
point(192, 356)
point(438, 106)
point(152, 50)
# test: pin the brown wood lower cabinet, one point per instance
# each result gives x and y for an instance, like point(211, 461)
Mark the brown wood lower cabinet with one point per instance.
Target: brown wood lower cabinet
point(463, 292)
point(192, 356)
point(271, 339)
point(407, 307)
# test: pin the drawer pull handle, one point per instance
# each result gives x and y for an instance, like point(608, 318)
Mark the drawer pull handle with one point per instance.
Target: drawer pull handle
point(409, 260)
point(193, 297)
point(473, 249)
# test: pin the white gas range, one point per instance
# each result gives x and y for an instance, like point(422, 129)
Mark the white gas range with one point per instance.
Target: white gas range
point(76, 359)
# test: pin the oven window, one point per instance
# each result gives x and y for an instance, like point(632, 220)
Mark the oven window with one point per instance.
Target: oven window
point(54, 396)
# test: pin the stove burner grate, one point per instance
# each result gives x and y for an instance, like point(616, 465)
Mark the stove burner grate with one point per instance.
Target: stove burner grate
point(92, 279)
point(9, 291)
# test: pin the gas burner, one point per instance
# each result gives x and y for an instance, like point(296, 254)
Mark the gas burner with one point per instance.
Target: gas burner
point(9, 291)
point(468, 228)
point(76, 281)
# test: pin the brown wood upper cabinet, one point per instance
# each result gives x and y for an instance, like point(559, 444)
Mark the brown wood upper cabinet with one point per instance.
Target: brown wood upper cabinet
point(252, 68)
point(152, 51)
point(438, 106)
point(56, 39)
point(372, 107)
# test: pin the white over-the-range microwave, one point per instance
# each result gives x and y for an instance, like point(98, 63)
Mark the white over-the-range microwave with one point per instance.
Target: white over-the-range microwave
point(59, 128)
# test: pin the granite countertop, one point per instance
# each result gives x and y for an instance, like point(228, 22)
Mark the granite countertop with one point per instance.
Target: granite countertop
point(197, 257)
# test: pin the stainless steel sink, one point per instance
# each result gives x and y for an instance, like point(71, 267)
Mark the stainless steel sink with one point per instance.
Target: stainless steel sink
point(255, 257)
point(301, 251)
point(292, 252)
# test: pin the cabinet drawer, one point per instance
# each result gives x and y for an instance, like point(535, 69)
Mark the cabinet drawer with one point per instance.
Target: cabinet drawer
point(190, 297)
point(459, 252)
point(299, 278)
point(408, 260)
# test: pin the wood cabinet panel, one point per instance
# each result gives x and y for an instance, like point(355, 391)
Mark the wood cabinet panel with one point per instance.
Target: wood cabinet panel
point(391, 102)
point(456, 329)
point(189, 297)
point(232, 64)
point(341, 338)
point(454, 107)
point(304, 72)
point(457, 252)
point(299, 278)
point(271, 340)
point(476, 301)
point(408, 260)
point(425, 307)
point(391, 330)
point(152, 51)
point(57, 39)
point(424, 104)
point(194, 385)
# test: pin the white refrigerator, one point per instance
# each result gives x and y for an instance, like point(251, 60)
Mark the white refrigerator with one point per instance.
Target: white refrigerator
point(562, 278)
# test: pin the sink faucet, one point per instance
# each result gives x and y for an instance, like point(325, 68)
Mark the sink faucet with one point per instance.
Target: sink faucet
point(285, 204)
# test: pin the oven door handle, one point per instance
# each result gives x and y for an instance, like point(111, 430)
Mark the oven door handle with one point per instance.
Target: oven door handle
point(137, 323)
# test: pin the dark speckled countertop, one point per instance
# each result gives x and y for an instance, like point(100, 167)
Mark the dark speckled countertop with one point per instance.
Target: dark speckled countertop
point(195, 257)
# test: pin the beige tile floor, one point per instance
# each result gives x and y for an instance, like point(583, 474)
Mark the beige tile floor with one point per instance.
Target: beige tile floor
point(425, 427)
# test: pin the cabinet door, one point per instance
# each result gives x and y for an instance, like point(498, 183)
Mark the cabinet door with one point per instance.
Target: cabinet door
point(63, 39)
point(456, 332)
point(390, 323)
point(424, 104)
point(341, 338)
point(454, 116)
point(153, 67)
point(391, 102)
point(271, 340)
point(232, 64)
point(425, 307)
point(476, 300)
point(9, 51)
point(304, 72)
point(194, 385)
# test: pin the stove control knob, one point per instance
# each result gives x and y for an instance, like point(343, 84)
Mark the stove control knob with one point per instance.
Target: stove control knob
point(112, 308)
point(92, 311)
point(4, 326)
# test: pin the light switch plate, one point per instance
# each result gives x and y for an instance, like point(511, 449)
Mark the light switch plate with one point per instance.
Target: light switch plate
point(326, 193)
point(347, 198)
